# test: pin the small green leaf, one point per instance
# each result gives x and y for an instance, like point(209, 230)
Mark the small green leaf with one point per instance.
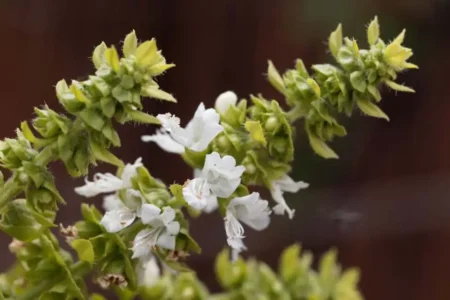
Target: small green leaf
point(112, 58)
point(105, 155)
point(314, 86)
point(320, 147)
point(98, 55)
point(130, 44)
point(358, 81)
point(75, 88)
point(146, 53)
point(289, 262)
point(154, 92)
point(275, 78)
point(398, 87)
point(335, 40)
point(373, 90)
point(108, 106)
point(256, 131)
point(373, 31)
point(370, 109)
point(92, 118)
point(301, 69)
point(84, 249)
point(141, 117)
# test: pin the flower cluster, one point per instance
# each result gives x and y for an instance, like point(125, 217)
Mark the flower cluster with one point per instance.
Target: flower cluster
point(138, 245)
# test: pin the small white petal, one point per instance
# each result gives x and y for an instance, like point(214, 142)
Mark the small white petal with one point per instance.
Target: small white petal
point(149, 212)
point(287, 184)
point(211, 204)
point(251, 210)
point(141, 244)
point(224, 101)
point(165, 142)
point(166, 241)
point(168, 215)
point(130, 171)
point(148, 272)
point(116, 220)
point(112, 202)
point(173, 228)
point(103, 183)
point(282, 206)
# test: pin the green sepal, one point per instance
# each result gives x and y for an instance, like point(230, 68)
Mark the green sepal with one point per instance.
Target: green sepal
point(84, 249)
point(105, 155)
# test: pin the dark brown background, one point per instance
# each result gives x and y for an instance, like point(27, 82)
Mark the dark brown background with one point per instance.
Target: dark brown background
point(394, 177)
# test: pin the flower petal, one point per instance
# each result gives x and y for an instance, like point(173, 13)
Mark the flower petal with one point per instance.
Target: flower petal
point(130, 171)
point(103, 183)
point(141, 246)
point(173, 227)
point(196, 193)
point(116, 220)
point(149, 212)
point(166, 241)
point(165, 142)
point(168, 215)
point(282, 206)
point(287, 184)
point(112, 202)
point(148, 272)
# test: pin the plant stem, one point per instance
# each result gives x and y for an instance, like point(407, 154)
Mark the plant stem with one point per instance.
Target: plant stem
point(9, 191)
point(79, 269)
point(295, 114)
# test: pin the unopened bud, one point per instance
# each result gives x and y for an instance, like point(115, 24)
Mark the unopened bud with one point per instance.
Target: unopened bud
point(224, 101)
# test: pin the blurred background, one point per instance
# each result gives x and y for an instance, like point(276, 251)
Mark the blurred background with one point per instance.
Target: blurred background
point(384, 204)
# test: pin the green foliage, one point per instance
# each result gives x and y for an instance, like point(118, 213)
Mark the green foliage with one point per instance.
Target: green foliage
point(354, 83)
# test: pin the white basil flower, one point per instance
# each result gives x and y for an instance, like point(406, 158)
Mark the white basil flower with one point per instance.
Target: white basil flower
point(222, 174)
point(250, 210)
point(162, 233)
point(107, 183)
point(199, 132)
point(285, 184)
point(119, 214)
point(163, 139)
point(198, 195)
point(224, 101)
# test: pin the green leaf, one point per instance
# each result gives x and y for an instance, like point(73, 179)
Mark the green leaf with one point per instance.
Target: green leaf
point(90, 213)
point(373, 31)
point(22, 233)
point(289, 262)
point(358, 81)
point(314, 86)
point(373, 90)
point(100, 85)
point(320, 147)
point(301, 69)
point(398, 87)
point(112, 58)
point(92, 118)
point(76, 89)
point(84, 249)
point(370, 109)
point(141, 117)
point(27, 133)
point(154, 92)
point(275, 78)
point(130, 44)
point(108, 106)
point(98, 55)
point(335, 40)
point(146, 53)
point(105, 155)
point(256, 131)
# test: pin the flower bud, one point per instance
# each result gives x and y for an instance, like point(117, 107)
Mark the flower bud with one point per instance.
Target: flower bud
point(224, 101)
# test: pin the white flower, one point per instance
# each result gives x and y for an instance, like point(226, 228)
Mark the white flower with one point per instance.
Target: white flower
point(199, 132)
point(224, 101)
point(285, 184)
point(198, 195)
point(163, 139)
point(222, 174)
point(118, 219)
point(252, 211)
point(107, 183)
point(148, 271)
point(162, 233)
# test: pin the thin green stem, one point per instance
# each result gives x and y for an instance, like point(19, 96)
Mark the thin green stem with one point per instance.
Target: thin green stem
point(295, 113)
point(79, 269)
